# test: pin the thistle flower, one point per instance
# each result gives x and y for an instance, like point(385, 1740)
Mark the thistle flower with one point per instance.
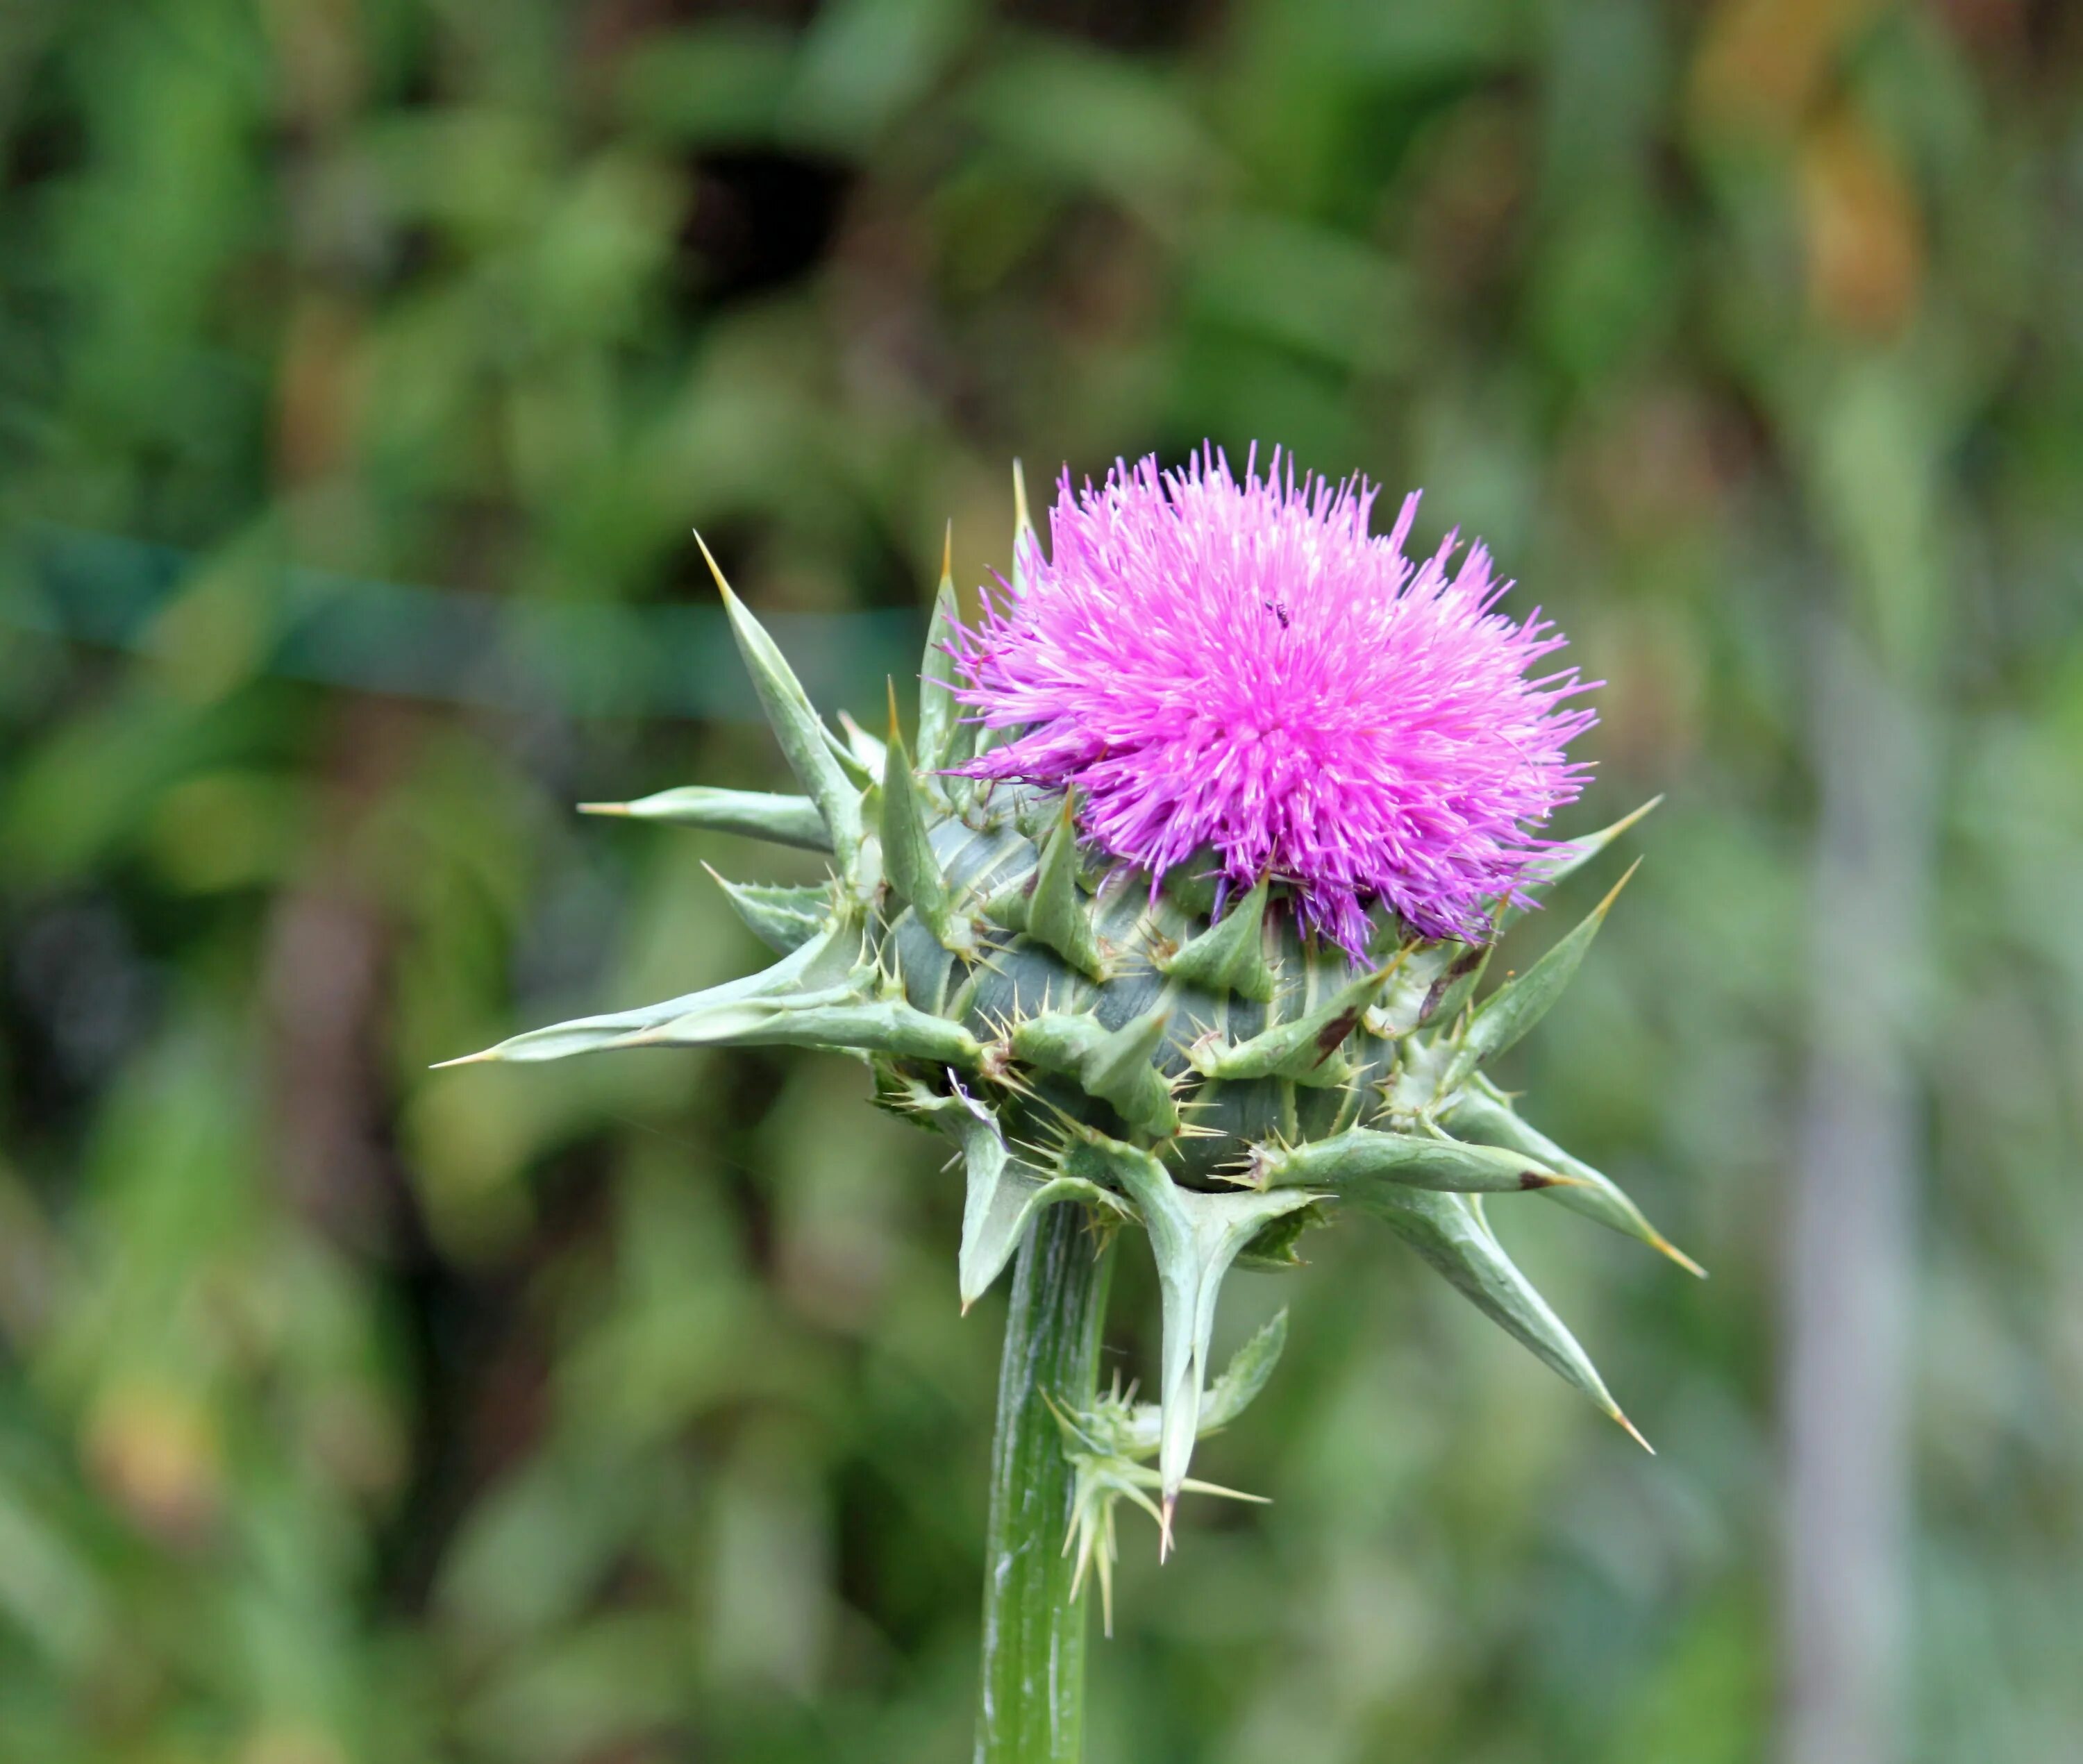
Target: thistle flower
point(1238, 667)
point(1207, 664)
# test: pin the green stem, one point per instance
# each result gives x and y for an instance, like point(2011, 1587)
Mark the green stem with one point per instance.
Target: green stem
point(1033, 1710)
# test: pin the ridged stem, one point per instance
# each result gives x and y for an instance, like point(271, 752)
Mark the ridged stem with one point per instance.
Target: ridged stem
point(1032, 1706)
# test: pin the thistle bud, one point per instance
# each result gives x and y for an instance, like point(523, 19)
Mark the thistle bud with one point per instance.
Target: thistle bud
point(1181, 913)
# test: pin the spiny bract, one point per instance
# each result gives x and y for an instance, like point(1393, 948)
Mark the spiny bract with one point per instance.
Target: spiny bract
point(1224, 1082)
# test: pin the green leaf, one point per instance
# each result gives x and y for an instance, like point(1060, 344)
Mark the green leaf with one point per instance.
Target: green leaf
point(1491, 1120)
point(1102, 1481)
point(835, 1018)
point(1230, 956)
point(1194, 1238)
point(1051, 910)
point(1450, 1234)
point(1105, 1442)
point(805, 742)
point(1274, 1250)
point(907, 853)
point(945, 738)
point(1002, 1194)
point(1436, 980)
point(1024, 543)
point(1412, 994)
point(1500, 1019)
point(1122, 1069)
point(1302, 1050)
point(1116, 1066)
point(826, 959)
point(1245, 1376)
point(1365, 1158)
point(996, 1214)
point(1024, 547)
point(784, 821)
point(1572, 855)
point(783, 918)
point(862, 754)
point(1454, 987)
point(1125, 1430)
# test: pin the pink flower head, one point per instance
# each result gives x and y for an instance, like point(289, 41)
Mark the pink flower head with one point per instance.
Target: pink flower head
point(1239, 666)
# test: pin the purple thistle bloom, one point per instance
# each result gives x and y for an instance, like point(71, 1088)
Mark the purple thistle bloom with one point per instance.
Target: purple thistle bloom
point(1239, 667)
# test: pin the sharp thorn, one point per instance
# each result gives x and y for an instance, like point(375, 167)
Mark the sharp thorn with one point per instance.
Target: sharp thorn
point(708, 558)
point(1626, 822)
point(1634, 1433)
point(603, 808)
point(1164, 1524)
point(1193, 1485)
point(1659, 1243)
point(1613, 894)
point(466, 1059)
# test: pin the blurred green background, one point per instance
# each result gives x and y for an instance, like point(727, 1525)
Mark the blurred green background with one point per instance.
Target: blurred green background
point(364, 366)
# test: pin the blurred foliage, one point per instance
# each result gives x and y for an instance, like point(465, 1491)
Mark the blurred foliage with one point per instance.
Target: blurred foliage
point(349, 1412)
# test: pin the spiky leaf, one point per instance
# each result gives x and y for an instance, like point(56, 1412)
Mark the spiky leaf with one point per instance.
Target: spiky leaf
point(945, 738)
point(907, 853)
point(862, 754)
point(1304, 1049)
point(1116, 1066)
point(1024, 544)
point(1500, 1019)
point(1366, 1158)
point(1566, 859)
point(1002, 1194)
point(835, 1018)
point(1246, 1374)
point(804, 741)
point(1194, 1238)
point(1134, 1430)
point(1230, 956)
point(1276, 1250)
point(782, 820)
point(1025, 548)
point(1492, 1122)
point(824, 960)
point(783, 918)
point(1050, 908)
point(1448, 1232)
point(1457, 985)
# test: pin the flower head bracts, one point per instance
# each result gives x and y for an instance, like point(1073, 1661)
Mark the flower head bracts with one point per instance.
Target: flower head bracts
point(1239, 666)
point(1215, 1078)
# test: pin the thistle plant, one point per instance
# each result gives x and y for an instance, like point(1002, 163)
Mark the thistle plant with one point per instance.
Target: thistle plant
point(1174, 916)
